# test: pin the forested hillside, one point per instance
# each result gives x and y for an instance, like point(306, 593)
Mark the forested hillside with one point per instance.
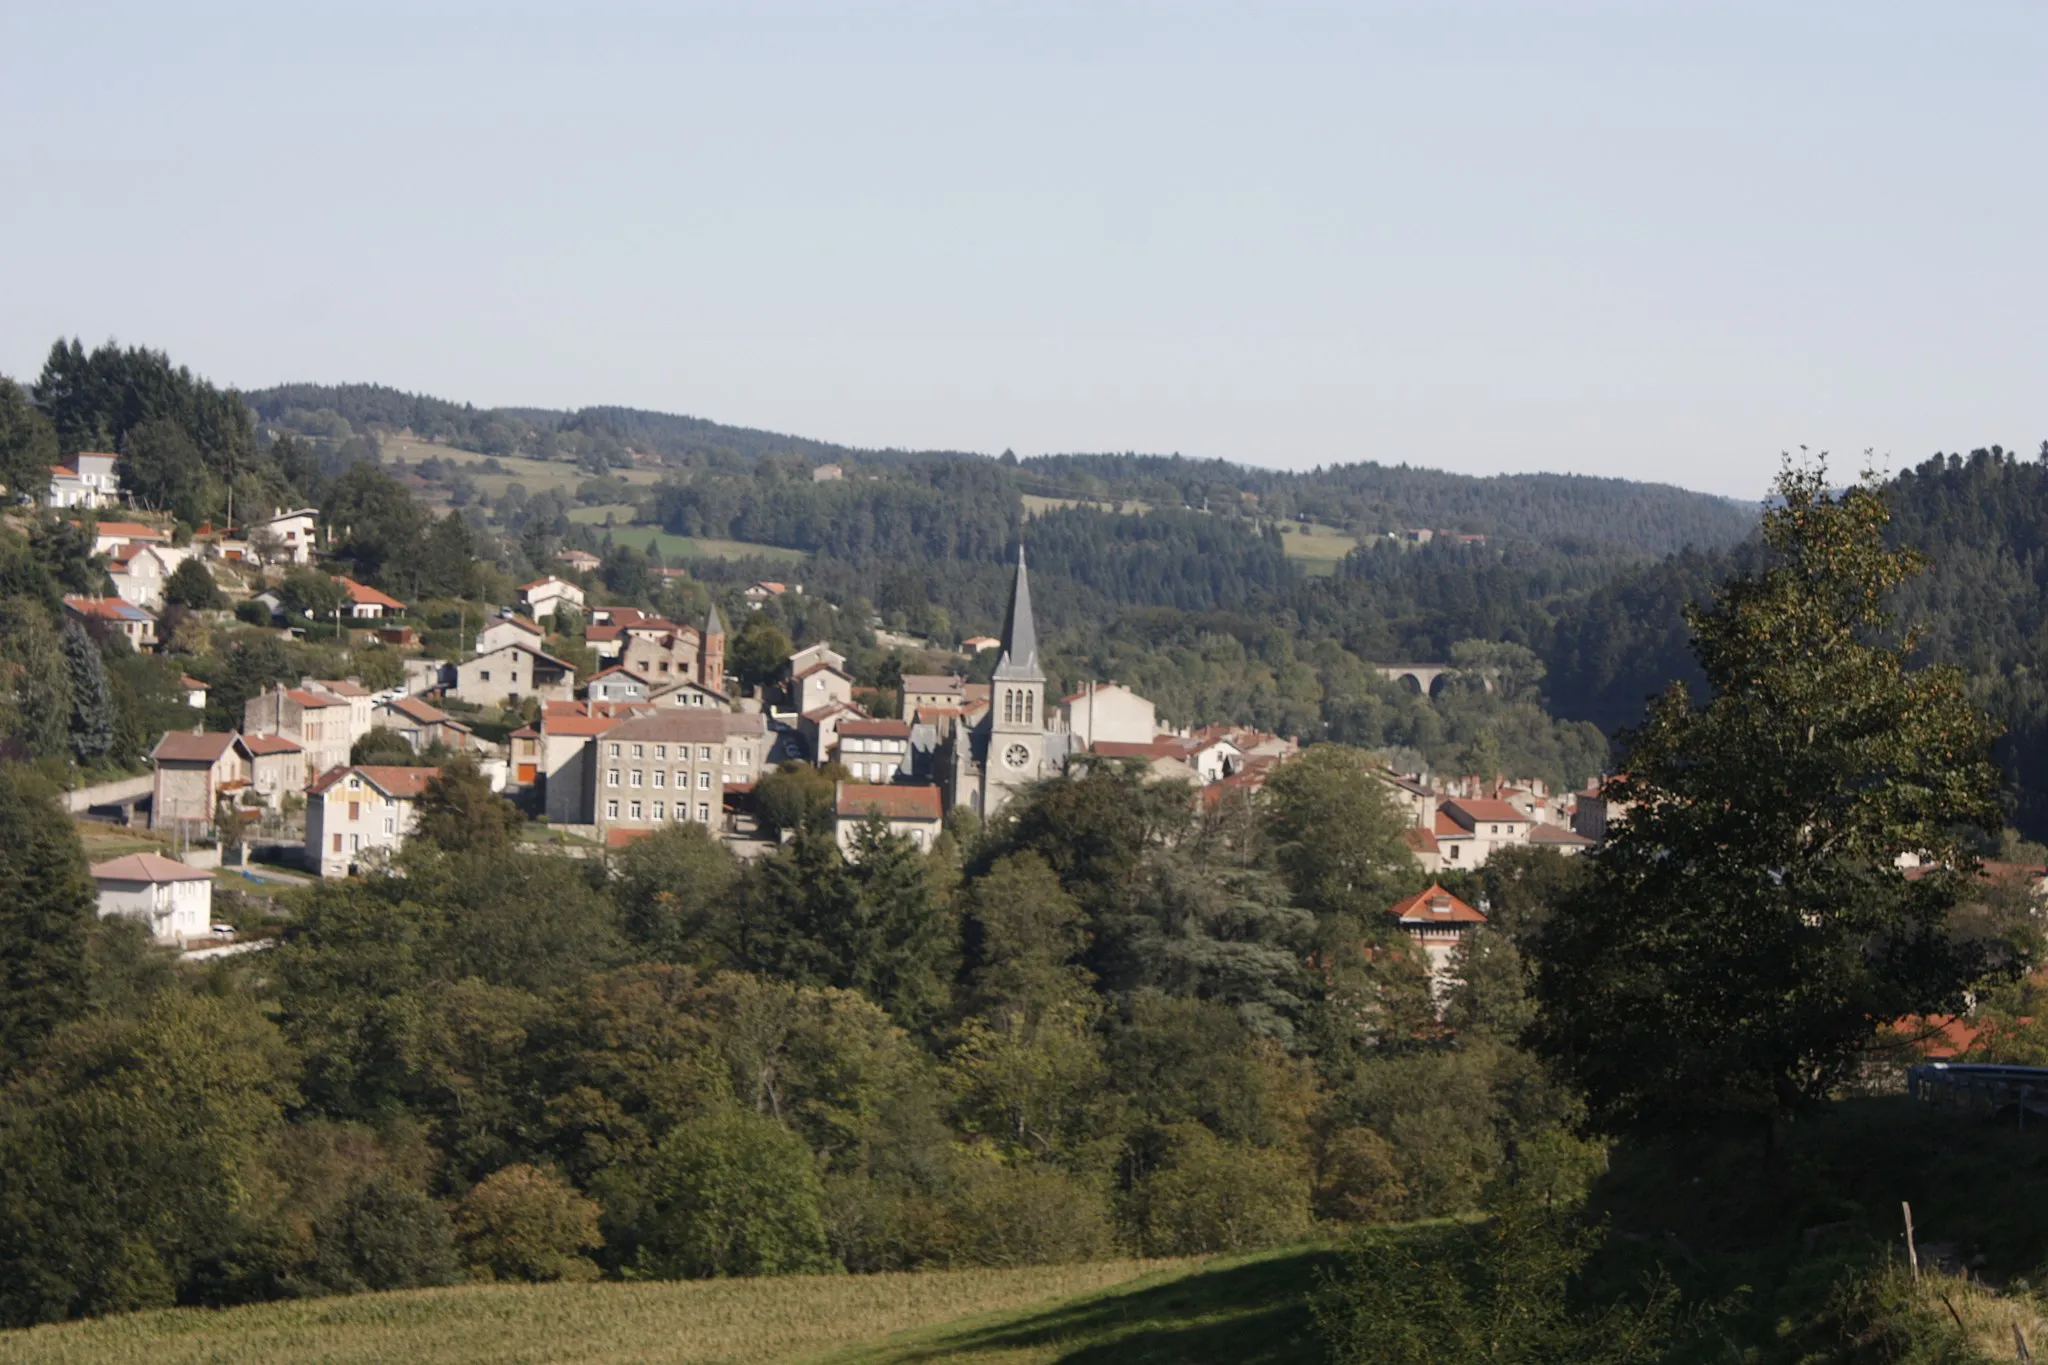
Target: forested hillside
point(1368, 498)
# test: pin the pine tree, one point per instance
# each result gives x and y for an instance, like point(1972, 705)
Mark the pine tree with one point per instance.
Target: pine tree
point(93, 712)
point(35, 685)
point(46, 912)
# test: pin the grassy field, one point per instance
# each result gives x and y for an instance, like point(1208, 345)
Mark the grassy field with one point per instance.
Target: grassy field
point(1035, 504)
point(1247, 1310)
point(104, 841)
point(700, 547)
point(535, 474)
point(1318, 548)
point(730, 1322)
point(621, 512)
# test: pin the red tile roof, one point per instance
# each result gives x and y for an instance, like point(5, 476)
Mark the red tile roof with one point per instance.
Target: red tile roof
point(401, 783)
point(148, 867)
point(260, 745)
point(128, 530)
point(1477, 810)
point(1435, 906)
point(342, 687)
point(857, 801)
point(364, 595)
point(184, 746)
point(1419, 841)
point(875, 729)
point(1557, 836)
point(314, 699)
point(412, 708)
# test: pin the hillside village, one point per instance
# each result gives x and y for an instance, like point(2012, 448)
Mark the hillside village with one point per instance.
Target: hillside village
point(658, 731)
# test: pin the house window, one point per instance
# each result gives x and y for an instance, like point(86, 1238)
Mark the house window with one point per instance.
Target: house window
point(703, 815)
point(337, 843)
point(639, 751)
point(704, 781)
point(390, 825)
point(639, 778)
point(682, 778)
point(660, 751)
point(704, 754)
point(612, 751)
point(634, 808)
point(355, 843)
point(484, 674)
point(660, 811)
point(611, 810)
point(611, 777)
point(355, 810)
point(660, 777)
point(1452, 853)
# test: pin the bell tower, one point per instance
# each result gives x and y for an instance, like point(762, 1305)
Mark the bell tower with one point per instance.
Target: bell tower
point(1016, 703)
point(711, 652)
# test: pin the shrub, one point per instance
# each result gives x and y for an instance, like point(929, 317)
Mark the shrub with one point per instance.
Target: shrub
point(1009, 1216)
point(520, 1223)
point(1221, 1196)
point(1359, 1178)
point(252, 612)
point(384, 1235)
point(734, 1193)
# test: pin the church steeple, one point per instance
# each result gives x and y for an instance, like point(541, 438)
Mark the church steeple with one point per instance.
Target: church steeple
point(1018, 661)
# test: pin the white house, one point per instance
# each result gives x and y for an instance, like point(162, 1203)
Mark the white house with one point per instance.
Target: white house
point(542, 596)
point(365, 603)
point(913, 813)
point(130, 620)
point(1439, 922)
point(356, 812)
point(296, 530)
point(1470, 830)
point(509, 630)
point(1112, 712)
point(874, 750)
point(174, 900)
point(90, 480)
point(108, 536)
point(139, 569)
point(616, 684)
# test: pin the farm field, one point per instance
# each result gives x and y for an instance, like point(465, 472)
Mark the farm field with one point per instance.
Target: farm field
point(535, 474)
point(1319, 549)
point(1034, 504)
point(699, 547)
point(729, 1322)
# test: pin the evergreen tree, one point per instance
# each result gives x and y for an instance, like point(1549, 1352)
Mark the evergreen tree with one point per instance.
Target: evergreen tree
point(1747, 930)
point(93, 713)
point(35, 680)
point(46, 915)
point(28, 447)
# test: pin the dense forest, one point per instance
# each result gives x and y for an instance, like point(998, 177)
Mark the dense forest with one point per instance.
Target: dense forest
point(1090, 1025)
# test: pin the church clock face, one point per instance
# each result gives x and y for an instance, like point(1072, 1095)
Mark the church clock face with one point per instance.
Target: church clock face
point(1016, 756)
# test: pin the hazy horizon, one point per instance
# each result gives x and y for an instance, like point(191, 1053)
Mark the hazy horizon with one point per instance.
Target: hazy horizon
point(1572, 236)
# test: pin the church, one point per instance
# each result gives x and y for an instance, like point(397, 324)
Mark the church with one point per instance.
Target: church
point(986, 760)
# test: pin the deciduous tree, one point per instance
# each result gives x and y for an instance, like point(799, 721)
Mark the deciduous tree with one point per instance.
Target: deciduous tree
point(1747, 930)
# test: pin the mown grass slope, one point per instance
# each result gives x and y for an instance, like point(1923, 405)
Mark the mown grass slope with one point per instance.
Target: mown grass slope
point(1246, 1310)
point(1251, 1309)
point(705, 1322)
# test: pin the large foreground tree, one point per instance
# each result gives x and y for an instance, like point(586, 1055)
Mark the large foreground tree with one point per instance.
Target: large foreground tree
point(1748, 932)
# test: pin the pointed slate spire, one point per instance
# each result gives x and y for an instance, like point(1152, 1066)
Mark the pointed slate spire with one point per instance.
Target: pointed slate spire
point(1019, 659)
point(713, 624)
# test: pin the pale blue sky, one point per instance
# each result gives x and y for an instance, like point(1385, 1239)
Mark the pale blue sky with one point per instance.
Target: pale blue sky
point(1649, 239)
